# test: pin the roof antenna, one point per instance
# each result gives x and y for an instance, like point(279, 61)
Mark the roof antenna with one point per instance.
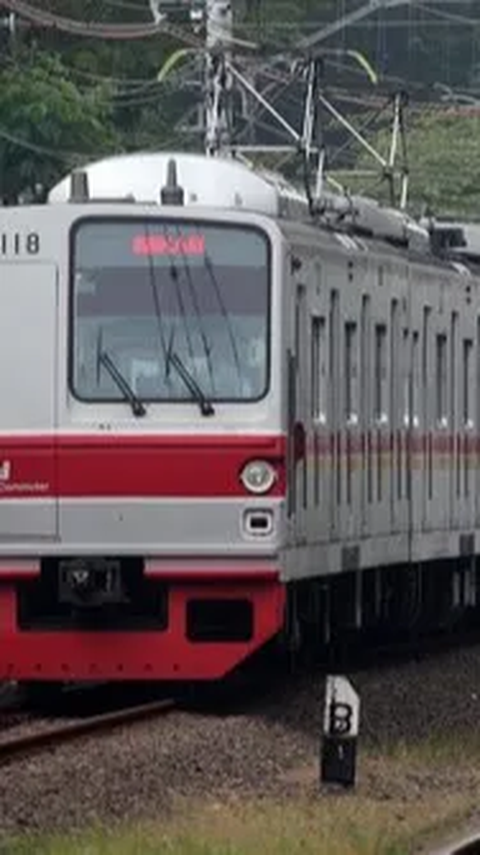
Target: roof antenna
point(172, 193)
point(79, 186)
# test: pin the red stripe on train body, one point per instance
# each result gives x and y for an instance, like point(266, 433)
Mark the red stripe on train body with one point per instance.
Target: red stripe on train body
point(126, 466)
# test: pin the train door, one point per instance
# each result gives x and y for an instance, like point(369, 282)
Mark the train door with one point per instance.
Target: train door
point(400, 345)
point(298, 418)
point(365, 413)
point(454, 457)
point(439, 391)
point(334, 456)
point(422, 418)
point(433, 363)
point(318, 514)
point(477, 416)
point(28, 391)
point(378, 434)
point(348, 413)
point(466, 403)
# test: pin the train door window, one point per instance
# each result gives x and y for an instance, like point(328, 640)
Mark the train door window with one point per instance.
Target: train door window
point(318, 371)
point(426, 364)
point(467, 407)
point(441, 380)
point(412, 398)
point(394, 363)
point(406, 403)
point(351, 374)
point(380, 374)
point(467, 385)
point(416, 379)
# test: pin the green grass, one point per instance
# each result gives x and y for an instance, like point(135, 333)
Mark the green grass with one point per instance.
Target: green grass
point(402, 800)
point(343, 824)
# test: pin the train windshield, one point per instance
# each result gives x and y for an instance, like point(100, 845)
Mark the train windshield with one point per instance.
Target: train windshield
point(150, 296)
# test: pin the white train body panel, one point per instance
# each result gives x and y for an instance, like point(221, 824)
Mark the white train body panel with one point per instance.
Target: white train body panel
point(35, 348)
point(368, 409)
point(355, 492)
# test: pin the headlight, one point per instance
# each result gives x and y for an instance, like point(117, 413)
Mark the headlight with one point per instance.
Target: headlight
point(258, 476)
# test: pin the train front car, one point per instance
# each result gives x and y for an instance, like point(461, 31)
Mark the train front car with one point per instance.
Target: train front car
point(143, 460)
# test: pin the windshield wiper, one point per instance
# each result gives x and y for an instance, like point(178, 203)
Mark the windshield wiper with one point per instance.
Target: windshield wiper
point(206, 407)
point(138, 407)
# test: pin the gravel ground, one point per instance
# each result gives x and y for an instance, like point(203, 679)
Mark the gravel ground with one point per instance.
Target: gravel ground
point(268, 748)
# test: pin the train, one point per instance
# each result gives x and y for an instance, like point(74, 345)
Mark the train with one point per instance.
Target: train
point(227, 421)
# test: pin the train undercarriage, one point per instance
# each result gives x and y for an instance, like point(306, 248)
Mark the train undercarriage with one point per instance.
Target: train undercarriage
point(54, 628)
point(383, 603)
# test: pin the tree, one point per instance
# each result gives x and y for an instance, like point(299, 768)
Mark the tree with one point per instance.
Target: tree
point(47, 125)
point(444, 160)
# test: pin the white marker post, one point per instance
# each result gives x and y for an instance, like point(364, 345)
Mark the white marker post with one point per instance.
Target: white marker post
point(340, 732)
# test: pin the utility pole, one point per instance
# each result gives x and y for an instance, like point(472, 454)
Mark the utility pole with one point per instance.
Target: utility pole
point(214, 116)
point(218, 79)
point(9, 22)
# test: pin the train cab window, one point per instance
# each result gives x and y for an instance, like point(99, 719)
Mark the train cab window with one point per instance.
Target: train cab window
point(467, 383)
point(318, 372)
point(165, 307)
point(441, 380)
point(351, 373)
point(380, 374)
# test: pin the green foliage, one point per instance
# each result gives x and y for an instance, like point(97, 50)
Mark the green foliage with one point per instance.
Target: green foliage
point(47, 124)
point(444, 158)
point(66, 98)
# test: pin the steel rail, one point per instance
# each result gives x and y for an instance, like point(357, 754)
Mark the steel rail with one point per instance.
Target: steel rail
point(51, 737)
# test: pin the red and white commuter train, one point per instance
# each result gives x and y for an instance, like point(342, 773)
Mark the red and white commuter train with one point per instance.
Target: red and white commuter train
point(222, 423)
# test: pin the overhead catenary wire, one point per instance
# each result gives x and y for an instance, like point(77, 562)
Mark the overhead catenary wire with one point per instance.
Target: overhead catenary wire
point(148, 88)
point(116, 32)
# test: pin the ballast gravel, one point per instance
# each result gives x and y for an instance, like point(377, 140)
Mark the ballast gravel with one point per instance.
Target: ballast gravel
point(266, 745)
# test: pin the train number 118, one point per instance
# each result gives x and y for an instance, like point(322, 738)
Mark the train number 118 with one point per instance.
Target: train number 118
point(14, 243)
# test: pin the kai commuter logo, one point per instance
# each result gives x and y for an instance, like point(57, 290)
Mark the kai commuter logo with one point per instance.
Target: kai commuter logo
point(8, 486)
point(5, 471)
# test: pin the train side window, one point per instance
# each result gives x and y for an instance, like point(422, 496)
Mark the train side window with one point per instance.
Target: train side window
point(318, 372)
point(380, 374)
point(441, 380)
point(351, 374)
point(467, 376)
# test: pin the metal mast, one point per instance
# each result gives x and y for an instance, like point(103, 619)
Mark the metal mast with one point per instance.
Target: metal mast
point(218, 79)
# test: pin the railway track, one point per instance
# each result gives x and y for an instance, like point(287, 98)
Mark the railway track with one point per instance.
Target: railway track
point(49, 737)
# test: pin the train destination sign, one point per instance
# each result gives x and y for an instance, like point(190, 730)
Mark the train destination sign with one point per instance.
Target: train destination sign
point(161, 244)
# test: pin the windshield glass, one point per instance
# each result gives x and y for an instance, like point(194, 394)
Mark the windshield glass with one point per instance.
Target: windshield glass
point(145, 291)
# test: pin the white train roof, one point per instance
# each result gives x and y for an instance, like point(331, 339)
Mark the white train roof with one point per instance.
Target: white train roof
point(218, 182)
point(206, 181)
